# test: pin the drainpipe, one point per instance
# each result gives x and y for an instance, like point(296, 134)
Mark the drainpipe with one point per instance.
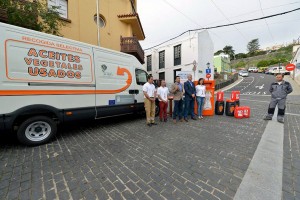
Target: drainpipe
point(98, 23)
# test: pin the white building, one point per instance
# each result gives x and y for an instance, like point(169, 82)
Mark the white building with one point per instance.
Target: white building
point(296, 60)
point(181, 55)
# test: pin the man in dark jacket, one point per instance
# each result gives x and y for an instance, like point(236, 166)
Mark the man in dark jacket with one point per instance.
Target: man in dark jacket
point(279, 91)
point(189, 98)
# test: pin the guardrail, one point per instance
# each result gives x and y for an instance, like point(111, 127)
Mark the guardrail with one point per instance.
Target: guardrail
point(226, 83)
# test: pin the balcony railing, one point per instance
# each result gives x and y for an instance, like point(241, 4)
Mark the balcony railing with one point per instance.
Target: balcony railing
point(132, 46)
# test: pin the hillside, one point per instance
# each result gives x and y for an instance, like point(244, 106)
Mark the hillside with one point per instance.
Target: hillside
point(282, 55)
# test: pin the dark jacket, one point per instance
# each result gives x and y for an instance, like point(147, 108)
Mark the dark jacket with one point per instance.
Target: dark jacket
point(280, 91)
point(189, 90)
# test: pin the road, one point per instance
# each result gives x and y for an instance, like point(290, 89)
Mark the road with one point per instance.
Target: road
point(122, 158)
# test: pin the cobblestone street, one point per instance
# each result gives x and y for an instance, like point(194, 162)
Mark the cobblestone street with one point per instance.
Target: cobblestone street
point(122, 158)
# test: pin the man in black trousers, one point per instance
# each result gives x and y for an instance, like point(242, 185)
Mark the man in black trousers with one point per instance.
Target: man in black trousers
point(189, 99)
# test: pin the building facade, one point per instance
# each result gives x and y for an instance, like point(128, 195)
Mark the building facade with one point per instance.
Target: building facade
point(121, 28)
point(222, 63)
point(190, 54)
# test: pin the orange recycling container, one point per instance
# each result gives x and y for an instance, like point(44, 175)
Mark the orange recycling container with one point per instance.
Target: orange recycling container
point(220, 96)
point(239, 112)
point(209, 106)
point(235, 95)
point(246, 111)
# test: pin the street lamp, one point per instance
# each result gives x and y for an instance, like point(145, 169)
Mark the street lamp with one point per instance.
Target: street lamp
point(208, 65)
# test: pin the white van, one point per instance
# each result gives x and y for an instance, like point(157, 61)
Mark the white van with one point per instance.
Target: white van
point(278, 69)
point(46, 80)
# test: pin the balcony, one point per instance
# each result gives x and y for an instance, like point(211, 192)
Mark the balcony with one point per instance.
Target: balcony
point(132, 46)
point(136, 25)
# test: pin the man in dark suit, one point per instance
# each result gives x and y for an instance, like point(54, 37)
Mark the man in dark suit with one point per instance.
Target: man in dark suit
point(190, 93)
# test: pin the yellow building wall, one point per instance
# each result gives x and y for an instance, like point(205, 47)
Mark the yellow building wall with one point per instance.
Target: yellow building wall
point(83, 27)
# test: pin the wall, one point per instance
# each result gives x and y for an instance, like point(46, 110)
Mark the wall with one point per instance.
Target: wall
point(197, 47)
point(83, 27)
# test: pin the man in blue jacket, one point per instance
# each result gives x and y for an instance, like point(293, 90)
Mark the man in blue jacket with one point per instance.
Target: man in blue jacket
point(189, 99)
point(279, 91)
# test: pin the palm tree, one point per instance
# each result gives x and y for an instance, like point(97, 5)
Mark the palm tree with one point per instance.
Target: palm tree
point(229, 51)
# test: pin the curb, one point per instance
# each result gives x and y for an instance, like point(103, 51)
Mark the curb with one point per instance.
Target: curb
point(240, 79)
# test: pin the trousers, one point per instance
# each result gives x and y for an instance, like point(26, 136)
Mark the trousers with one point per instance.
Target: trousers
point(281, 107)
point(163, 110)
point(150, 110)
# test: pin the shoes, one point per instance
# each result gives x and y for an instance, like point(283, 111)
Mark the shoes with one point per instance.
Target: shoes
point(268, 118)
point(174, 121)
point(194, 118)
point(281, 120)
point(153, 123)
point(165, 120)
point(149, 124)
point(185, 119)
point(201, 117)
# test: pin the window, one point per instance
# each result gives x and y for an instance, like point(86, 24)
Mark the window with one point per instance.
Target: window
point(149, 63)
point(161, 76)
point(177, 55)
point(161, 59)
point(102, 21)
point(141, 76)
point(62, 7)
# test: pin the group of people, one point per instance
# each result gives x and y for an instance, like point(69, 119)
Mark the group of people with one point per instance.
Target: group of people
point(177, 90)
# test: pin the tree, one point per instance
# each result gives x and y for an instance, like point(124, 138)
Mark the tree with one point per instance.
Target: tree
point(240, 55)
point(32, 15)
point(229, 51)
point(253, 46)
point(218, 52)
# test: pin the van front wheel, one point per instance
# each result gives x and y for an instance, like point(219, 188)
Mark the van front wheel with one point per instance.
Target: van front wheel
point(37, 130)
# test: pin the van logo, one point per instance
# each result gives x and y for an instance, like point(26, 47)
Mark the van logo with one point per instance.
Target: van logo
point(104, 68)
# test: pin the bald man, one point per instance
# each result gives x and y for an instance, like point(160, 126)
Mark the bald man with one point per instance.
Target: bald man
point(189, 99)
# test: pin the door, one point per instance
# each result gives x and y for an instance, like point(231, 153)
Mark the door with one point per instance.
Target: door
point(140, 79)
point(114, 81)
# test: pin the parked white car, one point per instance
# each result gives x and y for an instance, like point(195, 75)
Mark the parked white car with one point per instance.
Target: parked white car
point(243, 73)
point(253, 69)
point(278, 69)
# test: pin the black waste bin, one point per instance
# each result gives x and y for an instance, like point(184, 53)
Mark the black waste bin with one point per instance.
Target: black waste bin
point(230, 106)
point(219, 108)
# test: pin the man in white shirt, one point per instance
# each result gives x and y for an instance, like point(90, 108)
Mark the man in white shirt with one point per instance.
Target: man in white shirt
point(149, 100)
point(162, 93)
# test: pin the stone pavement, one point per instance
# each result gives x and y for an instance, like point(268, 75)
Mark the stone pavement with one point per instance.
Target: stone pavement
point(125, 159)
point(122, 158)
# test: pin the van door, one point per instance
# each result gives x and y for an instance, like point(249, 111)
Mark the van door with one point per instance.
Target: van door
point(114, 79)
point(141, 79)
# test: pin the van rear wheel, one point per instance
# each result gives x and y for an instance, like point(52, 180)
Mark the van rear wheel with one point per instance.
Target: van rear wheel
point(37, 130)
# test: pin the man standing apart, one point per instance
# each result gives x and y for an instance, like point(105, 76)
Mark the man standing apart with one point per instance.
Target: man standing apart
point(190, 92)
point(279, 91)
point(162, 93)
point(177, 91)
point(149, 100)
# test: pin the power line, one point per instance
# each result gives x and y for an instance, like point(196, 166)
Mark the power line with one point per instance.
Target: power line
point(193, 21)
point(266, 21)
point(225, 25)
point(268, 8)
point(228, 20)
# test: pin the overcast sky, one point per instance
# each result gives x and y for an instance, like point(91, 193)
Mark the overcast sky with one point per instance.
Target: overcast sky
point(164, 19)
